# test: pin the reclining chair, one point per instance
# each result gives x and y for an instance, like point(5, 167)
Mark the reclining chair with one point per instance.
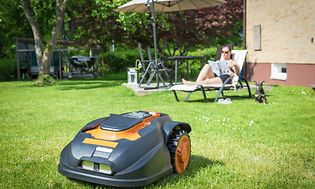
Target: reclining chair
point(239, 58)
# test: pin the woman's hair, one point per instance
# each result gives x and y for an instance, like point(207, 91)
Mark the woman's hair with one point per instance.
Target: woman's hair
point(230, 49)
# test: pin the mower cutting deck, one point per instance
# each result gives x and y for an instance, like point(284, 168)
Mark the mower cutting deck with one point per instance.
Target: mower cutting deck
point(127, 150)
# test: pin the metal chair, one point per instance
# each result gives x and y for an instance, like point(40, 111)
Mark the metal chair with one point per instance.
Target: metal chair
point(152, 69)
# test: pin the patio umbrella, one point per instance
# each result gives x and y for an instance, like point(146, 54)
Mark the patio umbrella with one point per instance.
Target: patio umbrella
point(165, 6)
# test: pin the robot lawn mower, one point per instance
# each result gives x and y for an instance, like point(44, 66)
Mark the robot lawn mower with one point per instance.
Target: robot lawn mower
point(127, 150)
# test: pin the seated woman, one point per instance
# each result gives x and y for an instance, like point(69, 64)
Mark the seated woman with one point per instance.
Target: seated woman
point(208, 77)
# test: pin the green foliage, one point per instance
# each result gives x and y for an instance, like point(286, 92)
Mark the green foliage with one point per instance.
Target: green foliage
point(209, 53)
point(13, 24)
point(96, 24)
point(114, 62)
point(7, 69)
point(45, 15)
point(44, 80)
point(241, 145)
point(105, 7)
point(120, 60)
point(116, 76)
point(235, 38)
point(93, 23)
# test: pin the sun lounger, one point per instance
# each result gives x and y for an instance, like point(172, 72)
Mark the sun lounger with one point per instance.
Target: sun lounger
point(239, 58)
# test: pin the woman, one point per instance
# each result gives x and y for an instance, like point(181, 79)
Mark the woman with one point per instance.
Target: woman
point(206, 75)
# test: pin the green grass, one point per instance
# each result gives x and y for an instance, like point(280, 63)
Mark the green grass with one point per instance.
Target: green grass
point(242, 145)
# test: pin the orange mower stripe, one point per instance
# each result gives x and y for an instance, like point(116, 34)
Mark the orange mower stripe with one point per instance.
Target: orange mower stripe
point(100, 142)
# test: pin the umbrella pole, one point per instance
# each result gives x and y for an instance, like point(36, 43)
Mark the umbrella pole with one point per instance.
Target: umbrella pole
point(155, 43)
point(155, 64)
point(154, 32)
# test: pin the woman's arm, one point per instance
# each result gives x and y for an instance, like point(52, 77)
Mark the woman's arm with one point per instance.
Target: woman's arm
point(233, 66)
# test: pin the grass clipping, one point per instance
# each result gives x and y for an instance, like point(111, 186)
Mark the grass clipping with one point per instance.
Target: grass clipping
point(44, 80)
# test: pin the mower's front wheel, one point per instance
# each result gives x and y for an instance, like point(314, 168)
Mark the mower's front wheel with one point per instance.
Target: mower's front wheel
point(179, 146)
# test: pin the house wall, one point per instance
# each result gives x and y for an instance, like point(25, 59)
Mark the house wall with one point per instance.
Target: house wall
point(287, 36)
point(297, 74)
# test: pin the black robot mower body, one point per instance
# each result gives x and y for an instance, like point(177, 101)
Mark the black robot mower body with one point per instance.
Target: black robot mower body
point(127, 150)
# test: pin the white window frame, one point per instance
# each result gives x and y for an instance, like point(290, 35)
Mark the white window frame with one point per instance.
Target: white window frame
point(276, 72)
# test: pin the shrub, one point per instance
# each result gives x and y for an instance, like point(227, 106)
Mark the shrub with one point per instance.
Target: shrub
point(120, 60)
point(44, 80)
point(7, 69)
point(209, 53)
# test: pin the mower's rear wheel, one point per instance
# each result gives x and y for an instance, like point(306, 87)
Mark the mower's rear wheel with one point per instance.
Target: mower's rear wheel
point(180, 149)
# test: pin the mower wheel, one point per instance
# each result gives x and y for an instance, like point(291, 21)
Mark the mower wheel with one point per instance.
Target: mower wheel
point(179, 146)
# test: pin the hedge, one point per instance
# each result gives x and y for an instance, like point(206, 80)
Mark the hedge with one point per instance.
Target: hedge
point(7, 69)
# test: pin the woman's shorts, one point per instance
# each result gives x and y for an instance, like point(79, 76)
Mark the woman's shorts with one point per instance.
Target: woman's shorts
point(225, 77)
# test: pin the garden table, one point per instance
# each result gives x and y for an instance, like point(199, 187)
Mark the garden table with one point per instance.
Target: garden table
point(179, 59)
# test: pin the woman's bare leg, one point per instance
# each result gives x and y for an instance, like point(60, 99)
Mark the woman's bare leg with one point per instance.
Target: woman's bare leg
point(209, 81)
point(205, 73)
point(188, 82)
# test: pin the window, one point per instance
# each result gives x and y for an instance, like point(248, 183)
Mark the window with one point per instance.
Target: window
point(278, 71)
point(257, 37)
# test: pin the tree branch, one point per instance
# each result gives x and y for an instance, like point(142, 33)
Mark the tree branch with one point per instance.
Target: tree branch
point(60, 10)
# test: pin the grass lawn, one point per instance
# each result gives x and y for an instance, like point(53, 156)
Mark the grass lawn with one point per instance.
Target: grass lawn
point(241, 145)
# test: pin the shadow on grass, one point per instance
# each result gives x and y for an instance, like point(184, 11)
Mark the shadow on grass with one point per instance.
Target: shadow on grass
point(78, 85)
point(196, 164)
point(75, 84)
point(211, 100)
point(232, 97)
point(30, 84)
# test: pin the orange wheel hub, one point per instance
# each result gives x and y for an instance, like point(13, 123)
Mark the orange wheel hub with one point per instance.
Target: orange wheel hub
point(182, 155)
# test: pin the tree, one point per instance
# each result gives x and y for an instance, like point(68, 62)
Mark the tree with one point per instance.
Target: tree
point(177, 32)
point(94, 23)
point(208, 26)
point(223, 21)
point(12, 24)
point(44, 43)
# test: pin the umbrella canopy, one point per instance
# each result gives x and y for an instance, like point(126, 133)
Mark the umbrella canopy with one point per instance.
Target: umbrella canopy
point(167, 5)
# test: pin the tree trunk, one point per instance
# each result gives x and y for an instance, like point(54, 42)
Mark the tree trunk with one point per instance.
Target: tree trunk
point(44, 53)
point(38, 39)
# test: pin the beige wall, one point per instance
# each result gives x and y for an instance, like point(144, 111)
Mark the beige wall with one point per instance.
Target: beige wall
point(287, 27)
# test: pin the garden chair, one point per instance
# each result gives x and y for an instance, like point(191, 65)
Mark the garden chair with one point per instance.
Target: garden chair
point(151, 70)
point(142, 61)
point(239, 57)
point(141, 64)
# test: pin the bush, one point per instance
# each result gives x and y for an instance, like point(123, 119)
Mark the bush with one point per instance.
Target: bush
point(209, 53)
point(116, 76)
point(120, 60)
point(44, 80)
point(7, 69)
